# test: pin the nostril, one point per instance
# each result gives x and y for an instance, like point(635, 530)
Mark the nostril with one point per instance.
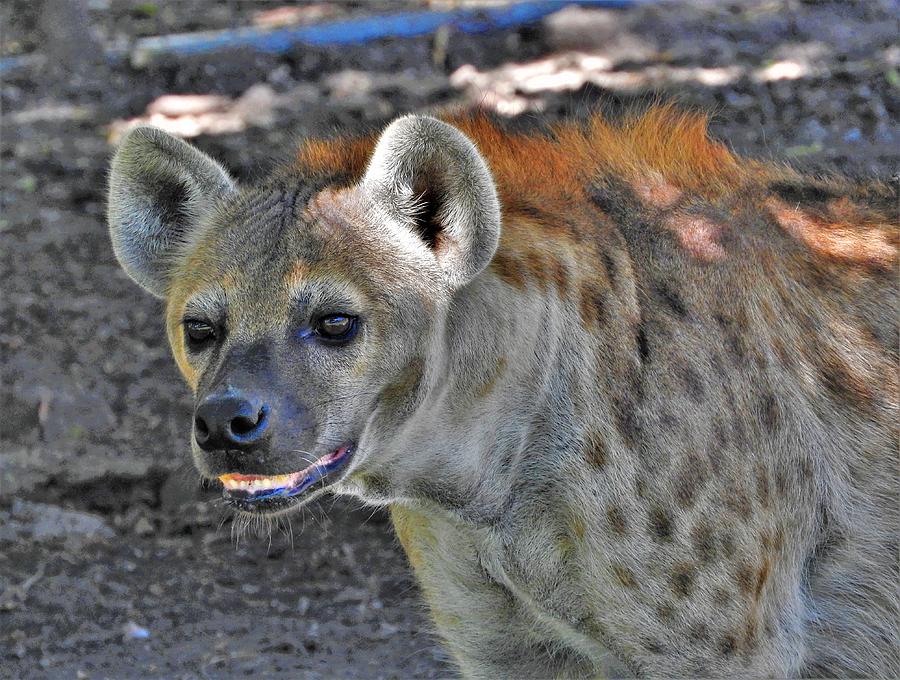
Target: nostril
point(201, 429)
point(244, 425)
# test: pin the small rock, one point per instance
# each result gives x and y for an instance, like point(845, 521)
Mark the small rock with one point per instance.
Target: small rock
point(143, 527)
point(388, 629)
point(50, 521)
point(852, 135)
point(132, 631)
point(348, 83)
point(814, 131)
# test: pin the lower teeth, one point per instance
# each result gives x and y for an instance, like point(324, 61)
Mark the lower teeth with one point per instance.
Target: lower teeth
point(283, 485)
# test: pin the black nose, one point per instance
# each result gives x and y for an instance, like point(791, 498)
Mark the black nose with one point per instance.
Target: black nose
point(230, 421)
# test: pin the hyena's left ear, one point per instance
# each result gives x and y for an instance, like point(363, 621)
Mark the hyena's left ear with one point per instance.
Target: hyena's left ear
point(430, 176)
point(159, 189)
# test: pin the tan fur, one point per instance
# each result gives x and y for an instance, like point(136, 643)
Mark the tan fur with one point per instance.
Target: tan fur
point(647, 428)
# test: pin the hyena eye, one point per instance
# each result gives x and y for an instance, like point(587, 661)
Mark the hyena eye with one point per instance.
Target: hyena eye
point(198, 333)
point(336, 327)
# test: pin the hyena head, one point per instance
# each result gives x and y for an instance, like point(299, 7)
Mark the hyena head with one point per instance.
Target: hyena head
point(304, 311)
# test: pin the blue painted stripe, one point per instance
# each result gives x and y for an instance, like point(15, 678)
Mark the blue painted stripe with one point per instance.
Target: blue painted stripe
point(350, 31)
point(353, 31)
point(361, 30)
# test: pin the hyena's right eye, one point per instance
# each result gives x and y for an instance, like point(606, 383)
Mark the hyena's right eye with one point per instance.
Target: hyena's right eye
point(198, 333)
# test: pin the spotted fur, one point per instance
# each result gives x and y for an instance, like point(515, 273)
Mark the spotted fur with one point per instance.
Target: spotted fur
point(648, 426)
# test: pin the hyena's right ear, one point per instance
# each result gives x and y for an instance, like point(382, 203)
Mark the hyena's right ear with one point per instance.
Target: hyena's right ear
point(431, 177)
point(159, 189)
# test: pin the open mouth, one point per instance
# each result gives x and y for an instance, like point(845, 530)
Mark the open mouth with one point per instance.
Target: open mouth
point(270, 493)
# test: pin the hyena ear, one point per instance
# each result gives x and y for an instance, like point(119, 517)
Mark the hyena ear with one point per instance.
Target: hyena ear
point(430, 176)
point(159, 189)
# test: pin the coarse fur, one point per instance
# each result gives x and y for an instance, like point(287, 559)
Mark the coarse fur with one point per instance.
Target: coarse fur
point(631, 399)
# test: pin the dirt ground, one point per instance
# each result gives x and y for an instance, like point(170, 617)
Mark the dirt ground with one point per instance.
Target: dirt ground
point(113, 563)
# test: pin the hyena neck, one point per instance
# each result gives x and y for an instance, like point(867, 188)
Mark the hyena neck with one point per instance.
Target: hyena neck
point(502, 406)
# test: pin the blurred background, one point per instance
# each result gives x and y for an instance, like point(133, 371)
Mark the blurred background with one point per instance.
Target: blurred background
point(113, 563)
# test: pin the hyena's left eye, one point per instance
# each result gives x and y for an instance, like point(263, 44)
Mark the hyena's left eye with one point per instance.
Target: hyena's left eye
point(198, 333)
point(336, 327)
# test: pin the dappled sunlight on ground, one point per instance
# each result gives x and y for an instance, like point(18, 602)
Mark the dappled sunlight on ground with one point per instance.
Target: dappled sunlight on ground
point(190, 115)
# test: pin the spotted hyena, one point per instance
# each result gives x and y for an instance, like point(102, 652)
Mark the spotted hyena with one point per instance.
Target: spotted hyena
point(631, 399)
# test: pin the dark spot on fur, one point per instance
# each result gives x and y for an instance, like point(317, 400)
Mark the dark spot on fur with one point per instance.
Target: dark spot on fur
point(800, 191)
point(626, 421)
point(760, 358)
point(693, 383)
point(613, 200)
point(721, 597)
point(624, 575)
point(593, 304)
point(844, 385)
point(660, 524)
point(640, 486)
point(526, 209)
point(682, 579)
point(508, 269)
point(642, 345)
point(778, 541)
point(781, 482)
point(671, 299)
point(720, 435)
point(612, 273)
point(728, 645)
point(559, 276)
point(665, 612)
point(726, 542)
point(704, 542)
point(718, 365)
point(770, 413)
point(784, 355)
point(746, 579)
point(762, 486)
point(667, 420)
point(490, 381)
point(750, 634)
point(595, 452)
point(616, 519)
point(653, 645)
point(689, 479)
point(738, 502)
point(698, 632)
point(734, 338)
point(761, 578)
point(738, 431)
